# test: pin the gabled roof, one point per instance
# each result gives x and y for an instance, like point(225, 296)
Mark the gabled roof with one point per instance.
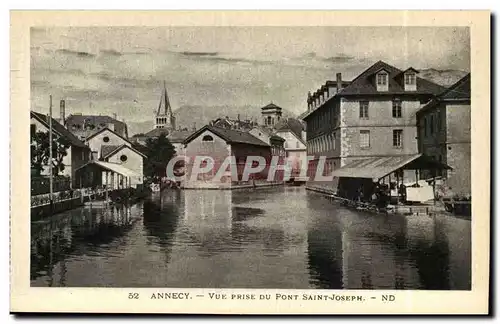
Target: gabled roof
point(118, 148)
point(107, 129)
point(58, 129)
point(263, 129)
point(277, 138)
point(174, 136)
point(270, 106)
point(108, 149)
point(458, 91)
point(364, 83)
point(229, 135)
point(292, 124)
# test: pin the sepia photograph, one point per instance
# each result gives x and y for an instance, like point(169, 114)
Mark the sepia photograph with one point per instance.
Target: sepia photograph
point(324, 159)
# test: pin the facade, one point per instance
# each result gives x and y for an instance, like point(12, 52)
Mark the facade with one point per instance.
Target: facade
point(293, 131)
point(78, 153)
point(444, 127)
point(374, 115)
point(276, 143)
point(83, 126)
point(218, 144)
point(108, 146)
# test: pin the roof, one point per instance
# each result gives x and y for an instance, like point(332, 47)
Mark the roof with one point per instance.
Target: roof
point(378, 167)
point(270, 106)
point(174, 136)
point(458, 91)
point(277, 138)
point(107, 129)
point(364, 83)
point(108, 149)
point(292, 124)
point(59, 129)
point(263, 129)
point(229, 135)
point(117, 168)
point(164, 106)
point(120, 127)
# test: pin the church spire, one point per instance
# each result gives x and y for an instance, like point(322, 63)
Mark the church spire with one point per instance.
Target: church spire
point(164, 107)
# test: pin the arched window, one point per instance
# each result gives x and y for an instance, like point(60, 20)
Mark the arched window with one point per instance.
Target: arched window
point(269, 120)
point(207, 138)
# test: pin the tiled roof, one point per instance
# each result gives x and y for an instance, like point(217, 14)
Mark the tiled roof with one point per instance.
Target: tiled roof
point(58, 128)
point(107, 149)
point(270, 106)
point(365, 82)
point(229, 135)
point(460, 90)
point(292, 124)
point(175, 136)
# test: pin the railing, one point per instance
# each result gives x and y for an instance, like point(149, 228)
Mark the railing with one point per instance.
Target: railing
point(41, 185)
point(44, 199)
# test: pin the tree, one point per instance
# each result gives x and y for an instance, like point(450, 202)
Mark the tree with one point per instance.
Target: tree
point(40, 153)
point(159, 152)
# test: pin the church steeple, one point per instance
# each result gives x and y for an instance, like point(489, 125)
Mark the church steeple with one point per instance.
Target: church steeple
point(164, 116)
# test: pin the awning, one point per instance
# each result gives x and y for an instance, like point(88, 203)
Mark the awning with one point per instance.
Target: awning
point(117, 168)
point(378, 167)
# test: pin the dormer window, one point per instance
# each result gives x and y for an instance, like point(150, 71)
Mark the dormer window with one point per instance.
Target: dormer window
point(382, 81)
point(410, 79)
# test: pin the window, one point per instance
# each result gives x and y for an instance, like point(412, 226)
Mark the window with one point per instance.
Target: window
point(431, 125)
point(382, 79)
point(397, 138)
point(363, 109)
point(396, 108)
point(123, 158)
point(334, 140)
point(425, 126)
point(364, 138)
point(297, 144)
point(207, 138)
point(269, 119)
point(105, 139)
point(410, 78)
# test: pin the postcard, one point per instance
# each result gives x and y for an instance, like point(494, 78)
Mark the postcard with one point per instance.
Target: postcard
point(244, 162)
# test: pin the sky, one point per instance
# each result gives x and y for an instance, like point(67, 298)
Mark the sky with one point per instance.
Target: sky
point(122, 69)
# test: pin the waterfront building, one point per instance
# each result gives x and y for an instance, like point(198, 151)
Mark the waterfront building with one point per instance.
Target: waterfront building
point(293, 131)
point(372, 116)
point(218, 144)
point(77, 154)
point(444, 126)
point(108, 146)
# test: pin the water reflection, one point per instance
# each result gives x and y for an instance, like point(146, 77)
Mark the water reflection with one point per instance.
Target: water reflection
point(83, 231)
point(266, 238)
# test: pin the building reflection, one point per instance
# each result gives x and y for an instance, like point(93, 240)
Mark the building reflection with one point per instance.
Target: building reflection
point(77, 232)
point(352, 250)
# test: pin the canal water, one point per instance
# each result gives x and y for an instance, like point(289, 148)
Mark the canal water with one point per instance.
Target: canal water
point(263, 238)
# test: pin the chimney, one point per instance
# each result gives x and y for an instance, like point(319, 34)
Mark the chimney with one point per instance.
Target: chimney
point(339, 82)
point(114, 115)
point(62, 106)
point(238, 117)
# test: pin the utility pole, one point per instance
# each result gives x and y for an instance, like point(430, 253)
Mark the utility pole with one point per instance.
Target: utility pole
point(51, 180)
